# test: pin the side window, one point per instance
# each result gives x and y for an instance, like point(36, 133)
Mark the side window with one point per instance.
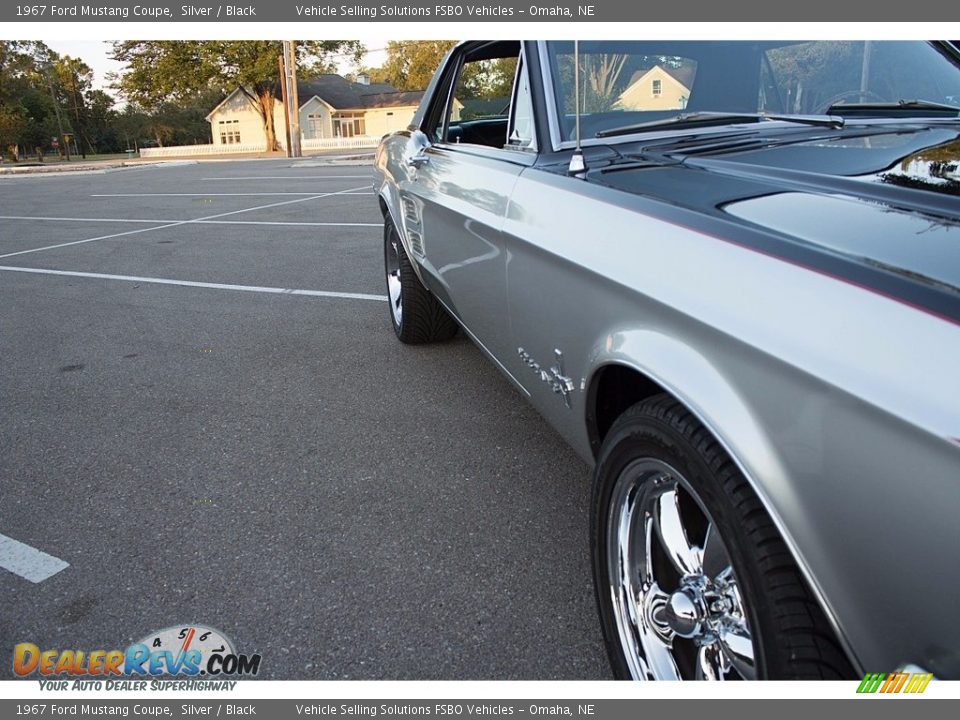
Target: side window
point(478, 106)
point(521, 134)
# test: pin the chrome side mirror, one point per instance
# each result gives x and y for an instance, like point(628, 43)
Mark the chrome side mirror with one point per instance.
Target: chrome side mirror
point(414, 156)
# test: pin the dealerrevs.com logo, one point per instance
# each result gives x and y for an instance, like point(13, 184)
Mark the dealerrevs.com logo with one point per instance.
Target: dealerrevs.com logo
point(188, 651)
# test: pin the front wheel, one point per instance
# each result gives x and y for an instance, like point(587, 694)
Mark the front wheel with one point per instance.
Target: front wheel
point(417, 316)
point(692, 578)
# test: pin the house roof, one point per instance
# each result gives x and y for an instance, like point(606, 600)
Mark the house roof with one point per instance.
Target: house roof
point(342, 94)
point(683, 74)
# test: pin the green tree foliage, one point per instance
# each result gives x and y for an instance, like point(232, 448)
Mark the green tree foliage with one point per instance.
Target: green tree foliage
point(410, 64)
point(161, 71)
point(71, 80)
point(43, 95)
point(17, 74)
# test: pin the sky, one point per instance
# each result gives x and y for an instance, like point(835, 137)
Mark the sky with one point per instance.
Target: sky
point(96, 54)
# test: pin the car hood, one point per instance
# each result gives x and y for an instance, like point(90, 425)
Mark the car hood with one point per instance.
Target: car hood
point(883, 197)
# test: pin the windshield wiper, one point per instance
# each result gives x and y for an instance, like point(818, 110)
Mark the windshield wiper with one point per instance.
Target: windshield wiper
point(708, 119)
point(890, 109)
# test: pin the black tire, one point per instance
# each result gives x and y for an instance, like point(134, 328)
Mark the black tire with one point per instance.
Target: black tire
point(416, 315)
point(791, 638)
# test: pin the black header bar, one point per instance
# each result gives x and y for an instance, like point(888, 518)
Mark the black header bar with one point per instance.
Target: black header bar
point(299, 11)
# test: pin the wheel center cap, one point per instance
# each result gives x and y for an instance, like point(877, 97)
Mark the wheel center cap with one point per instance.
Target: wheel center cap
point(684, 613)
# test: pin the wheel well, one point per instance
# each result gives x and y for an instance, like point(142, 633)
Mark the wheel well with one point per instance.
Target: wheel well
point(613, 390)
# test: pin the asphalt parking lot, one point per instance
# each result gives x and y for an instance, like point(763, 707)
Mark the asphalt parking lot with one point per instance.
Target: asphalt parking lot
point(207, 417)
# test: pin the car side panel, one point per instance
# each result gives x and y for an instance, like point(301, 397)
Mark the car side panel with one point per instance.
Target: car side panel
point(828, 396)
point(457, 201)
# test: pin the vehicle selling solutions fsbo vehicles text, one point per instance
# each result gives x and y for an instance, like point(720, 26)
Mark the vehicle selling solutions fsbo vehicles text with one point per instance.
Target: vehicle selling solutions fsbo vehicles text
point(375, 11)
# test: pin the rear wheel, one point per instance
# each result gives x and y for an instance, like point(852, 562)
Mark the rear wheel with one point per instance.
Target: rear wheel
point(417, 316)
point(693, 581)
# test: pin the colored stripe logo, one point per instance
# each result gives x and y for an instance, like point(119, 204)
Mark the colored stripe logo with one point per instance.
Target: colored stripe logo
point(899, 682)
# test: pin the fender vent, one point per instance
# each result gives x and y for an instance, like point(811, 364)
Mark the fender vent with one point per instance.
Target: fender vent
point(416, 242)
point(410, 211)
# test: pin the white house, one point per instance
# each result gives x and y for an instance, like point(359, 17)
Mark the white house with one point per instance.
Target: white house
point(330, 107)
point(658, 88)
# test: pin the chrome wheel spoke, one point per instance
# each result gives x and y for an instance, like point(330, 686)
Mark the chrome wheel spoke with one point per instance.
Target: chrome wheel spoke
point(685, 557)
point(663, 666)
point(737, 647)
point(394, 286)
point(715, 557)
point(710, 663)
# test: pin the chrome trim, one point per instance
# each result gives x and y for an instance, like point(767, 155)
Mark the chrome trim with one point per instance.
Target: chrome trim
point(559, 383)
point(550, 97)
point(394, 284)
point(416, 161)
point(523, 67)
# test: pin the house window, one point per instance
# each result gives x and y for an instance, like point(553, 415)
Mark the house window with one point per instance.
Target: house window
point(349, 125)
point(656, 88)
point(229, 132)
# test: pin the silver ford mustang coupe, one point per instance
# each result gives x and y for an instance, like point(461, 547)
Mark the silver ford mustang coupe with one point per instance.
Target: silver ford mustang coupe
point(728, 273)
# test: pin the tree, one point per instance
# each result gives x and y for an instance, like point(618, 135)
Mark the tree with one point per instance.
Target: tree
point(165, 70)
point(410, 64)
point(132, 126)
point(26, 103)
point(101, 127)
point(602, 84)
point(12, 124)
point(72, 79)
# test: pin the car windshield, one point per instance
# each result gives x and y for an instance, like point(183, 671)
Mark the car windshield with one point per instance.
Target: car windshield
point(624, 83)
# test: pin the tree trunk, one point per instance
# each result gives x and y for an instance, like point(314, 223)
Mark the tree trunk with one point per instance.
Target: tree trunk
point(266, 101)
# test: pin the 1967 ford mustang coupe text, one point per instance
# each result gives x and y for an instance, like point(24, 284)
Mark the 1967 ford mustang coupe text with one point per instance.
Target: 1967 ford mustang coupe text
point(728, 273)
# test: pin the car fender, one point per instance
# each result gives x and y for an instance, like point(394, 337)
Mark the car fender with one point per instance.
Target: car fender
point(691, 377)
point(390, 154)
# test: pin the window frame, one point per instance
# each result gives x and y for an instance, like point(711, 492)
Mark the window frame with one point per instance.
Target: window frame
point(522, 72)
point(436, 120)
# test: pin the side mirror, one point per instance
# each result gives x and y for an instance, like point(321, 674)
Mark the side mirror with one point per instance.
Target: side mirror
point(414, 156)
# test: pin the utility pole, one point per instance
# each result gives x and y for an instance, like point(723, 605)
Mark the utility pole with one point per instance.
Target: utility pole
point(56, 111)
point(286, 104)
point(293, 104)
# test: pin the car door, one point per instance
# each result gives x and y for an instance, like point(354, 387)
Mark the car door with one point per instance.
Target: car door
point(461, 171)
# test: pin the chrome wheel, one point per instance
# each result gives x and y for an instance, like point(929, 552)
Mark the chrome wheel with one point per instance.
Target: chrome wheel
point(675, 597)
point(394, 286)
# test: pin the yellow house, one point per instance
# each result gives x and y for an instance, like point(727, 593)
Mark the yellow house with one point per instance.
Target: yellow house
point(657, 89)
point(330, 107)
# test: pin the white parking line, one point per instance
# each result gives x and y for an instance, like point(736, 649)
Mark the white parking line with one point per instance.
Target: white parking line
point(357, 191)
point(293, 177)
point(197, 222)
point(28, 562)
point(249, 194)
point(182, 222)
point(88, 240)
point(191, 283)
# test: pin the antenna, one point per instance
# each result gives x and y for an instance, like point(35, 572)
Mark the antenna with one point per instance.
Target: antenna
point(577, 164)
